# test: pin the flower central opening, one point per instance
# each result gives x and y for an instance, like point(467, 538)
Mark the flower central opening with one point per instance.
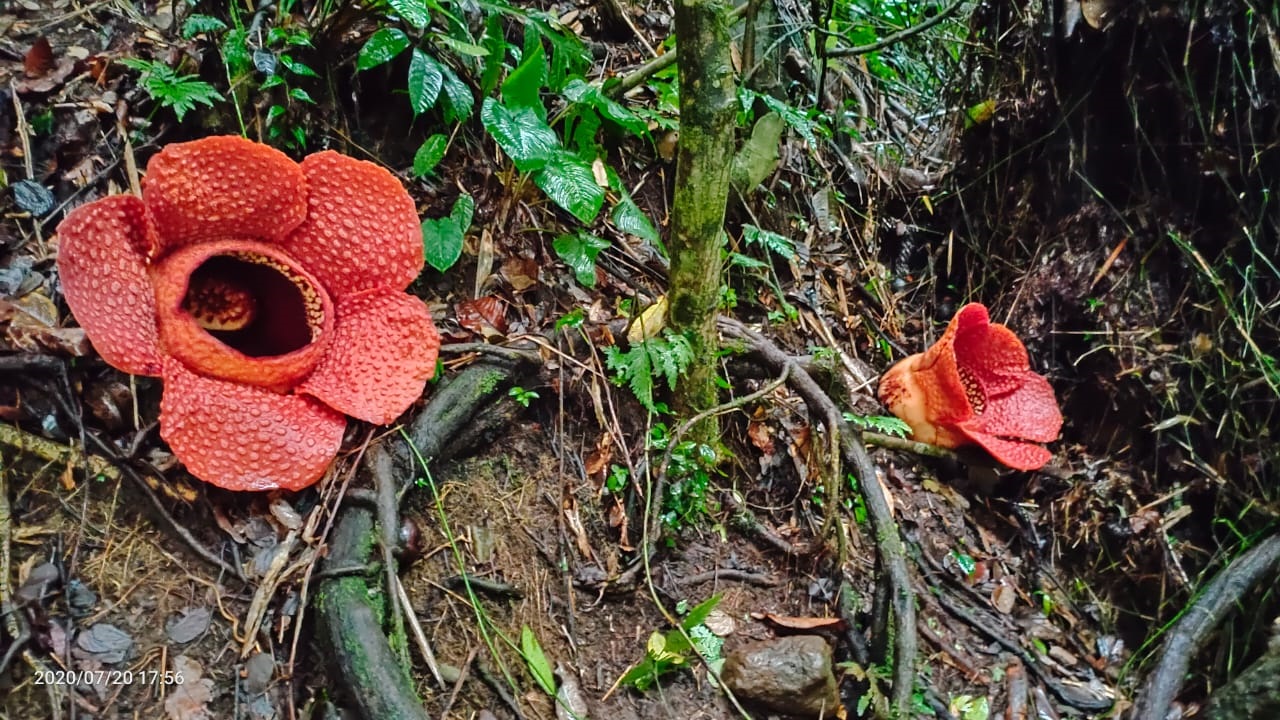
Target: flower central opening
point(254, 304)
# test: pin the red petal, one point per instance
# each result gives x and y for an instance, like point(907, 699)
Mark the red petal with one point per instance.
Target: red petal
point(992, 353)
point(1017, 455)
point(383, 352)
point(202, 352)
point(104, 278)
point(221, 187)
point(245, 438)
point(1028, 412)
point(361, 230)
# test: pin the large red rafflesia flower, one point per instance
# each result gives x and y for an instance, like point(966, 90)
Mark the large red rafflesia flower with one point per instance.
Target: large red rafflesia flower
point(976, 386)
point(269, 296)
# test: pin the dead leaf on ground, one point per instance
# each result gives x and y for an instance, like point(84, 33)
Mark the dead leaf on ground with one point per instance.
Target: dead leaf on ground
point(190, 625)
point(787, 622)
point(189, 700)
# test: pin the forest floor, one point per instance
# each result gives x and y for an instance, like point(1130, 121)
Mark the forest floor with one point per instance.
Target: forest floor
point(1043, 589)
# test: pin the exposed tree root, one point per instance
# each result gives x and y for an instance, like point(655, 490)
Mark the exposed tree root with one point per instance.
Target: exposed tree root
point(364, 665)
point(1193, 630)
point(884, 530)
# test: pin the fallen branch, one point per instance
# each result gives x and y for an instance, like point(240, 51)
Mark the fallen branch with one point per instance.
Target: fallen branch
point(1188, 636)
point(884, 530)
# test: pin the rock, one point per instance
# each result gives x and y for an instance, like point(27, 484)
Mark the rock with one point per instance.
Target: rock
point(789, 675)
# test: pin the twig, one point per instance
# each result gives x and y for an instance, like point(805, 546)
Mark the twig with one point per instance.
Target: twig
point(419, 636)
point(884, 529)
point(986, 627)
point(636, 78)
point(1189, 635)
point(899, 36)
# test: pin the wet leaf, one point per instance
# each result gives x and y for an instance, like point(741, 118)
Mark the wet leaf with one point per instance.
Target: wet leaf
point(39, 59)
point(189, 699)
point(105, 642)
point(579, 252)
point(33, 197)
point(429, 154)
point(522, 134)
point(414, 12)
point(485, 315)
point(570, 183)
point(190, 625)
point(442, 238)
point(425, 81)
point(381, 47)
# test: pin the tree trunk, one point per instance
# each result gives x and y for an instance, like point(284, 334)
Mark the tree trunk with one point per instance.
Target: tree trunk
point(708, 102)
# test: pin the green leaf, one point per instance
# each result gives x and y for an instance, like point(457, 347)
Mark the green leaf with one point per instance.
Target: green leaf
point(297, 68)
point(630, 219)
point(522, 135)
point(429, 154)
point(271, 81)
point(522, 87)
point(579, 252)
point(235, 52)
point(425, 80)
point(301, 95)
point(442, 237)
point(537, 661)
point(461, 101)
point(793, 117)
point(579, 91)
point(772, 241)
point(464, 49)
point(197, 24)
point(381, 48)
point(495, 41)
point(570, 183)
point(180, 93)
point(745, 261)
point(413, 12)
point(274, 112)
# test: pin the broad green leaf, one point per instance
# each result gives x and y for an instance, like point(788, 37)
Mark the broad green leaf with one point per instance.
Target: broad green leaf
point(301, 95)
point(581, 124)
point(537, 661)
point(630, 219)
point(442, 238)
point(579, 252)
point(413, 12)
point(570, 183)
point(297, 68)
point(750, 263)
point(381, 47)
point(522, 135)
point(522, 86)
point(429, 155)
point(581, 92)
point(465, 49)
point(461, 101)
point(772, 241)
point(425, 80)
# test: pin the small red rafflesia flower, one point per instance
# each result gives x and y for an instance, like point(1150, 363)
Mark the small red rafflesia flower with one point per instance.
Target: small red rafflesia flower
point(975, 386)
point(269, 296)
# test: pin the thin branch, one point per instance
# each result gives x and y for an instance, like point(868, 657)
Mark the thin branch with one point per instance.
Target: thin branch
point(899, 36)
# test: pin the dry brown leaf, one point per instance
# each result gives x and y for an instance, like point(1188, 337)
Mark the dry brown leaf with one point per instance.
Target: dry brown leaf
point(788, 622)
point(39, 59)
point(1003, 598)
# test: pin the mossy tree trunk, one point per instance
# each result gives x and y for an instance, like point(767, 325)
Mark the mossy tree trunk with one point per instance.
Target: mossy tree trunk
point(708, 103)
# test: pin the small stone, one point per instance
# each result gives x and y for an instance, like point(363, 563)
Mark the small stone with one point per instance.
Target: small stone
point(790, 675)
